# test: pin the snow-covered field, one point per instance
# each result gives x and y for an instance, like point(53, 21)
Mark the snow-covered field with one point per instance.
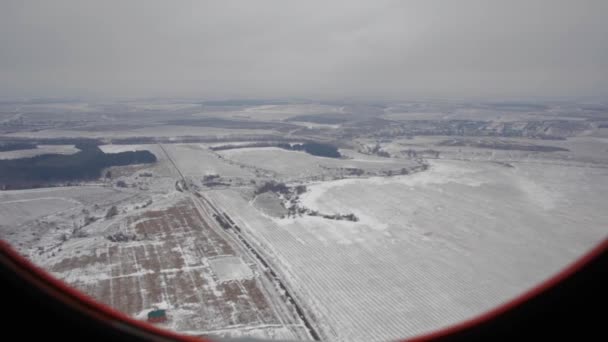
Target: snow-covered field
point(168, 256)
point(42, 149)
point(430, 249)
point(370, 248)
point(20, 206)
point(230, 268)
point(15, 212)
point(296, 164)
point(290, 110)
point(579, 150)
point(165, 131)
point(38, 219)
point(196, 161)
point(162, 167)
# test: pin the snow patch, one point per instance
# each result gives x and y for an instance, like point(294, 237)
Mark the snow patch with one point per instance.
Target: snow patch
point(230, 268)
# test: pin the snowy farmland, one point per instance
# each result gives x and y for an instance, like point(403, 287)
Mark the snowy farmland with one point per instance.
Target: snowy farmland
point(173, 258)
point(431, 249)
point(195, 160)
point(296, 165)
point(20, 206)
point(433, 212)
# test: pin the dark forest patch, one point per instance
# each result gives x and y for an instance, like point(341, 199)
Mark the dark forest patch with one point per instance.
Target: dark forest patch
point(501, 145)
point(16, 146)
point(315, 149)
point(47, 169)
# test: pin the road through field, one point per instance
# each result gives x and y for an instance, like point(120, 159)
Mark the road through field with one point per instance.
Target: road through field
point(224, 224)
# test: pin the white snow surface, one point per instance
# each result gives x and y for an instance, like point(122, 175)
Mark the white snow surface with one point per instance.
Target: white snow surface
point(196, 160)
point(230, 268)
point(297, 164)
point(20, 206)
point(430, 249)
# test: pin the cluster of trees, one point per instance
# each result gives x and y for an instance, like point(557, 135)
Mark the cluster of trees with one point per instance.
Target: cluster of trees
point(122, 237)
point(15, 146)
point(272, 186)
point(339, 217)
point(210, 178)
point(86, 164)
point(423, 153)
point(238, 146)
point(377, 150)
point(297, 210)
point(353, 171)
point(313, 148)
point(214, 180)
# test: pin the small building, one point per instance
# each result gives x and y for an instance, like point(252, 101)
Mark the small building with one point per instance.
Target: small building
point(157, 316)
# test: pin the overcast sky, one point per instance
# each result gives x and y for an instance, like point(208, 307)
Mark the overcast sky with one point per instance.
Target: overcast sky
point(305, 48)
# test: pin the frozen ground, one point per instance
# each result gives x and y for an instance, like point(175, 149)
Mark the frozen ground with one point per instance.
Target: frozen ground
point(425, 250)
point(582, 151)
point(15, 212)
point(296, 165)
point(20, 206)
point(270, 204)
point(230, 268)
point(169, 256)
point(196, 161)
point(431, 249)
point(165, 131)
point(38, 219)
point(278, 112)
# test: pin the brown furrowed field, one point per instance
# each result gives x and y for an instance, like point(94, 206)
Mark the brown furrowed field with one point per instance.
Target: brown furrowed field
point(182, 263)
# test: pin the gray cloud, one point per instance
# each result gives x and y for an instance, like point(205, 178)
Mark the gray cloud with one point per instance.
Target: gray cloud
point(304, 48)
